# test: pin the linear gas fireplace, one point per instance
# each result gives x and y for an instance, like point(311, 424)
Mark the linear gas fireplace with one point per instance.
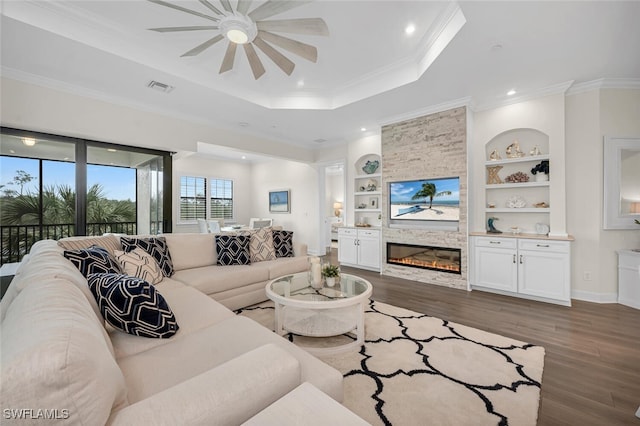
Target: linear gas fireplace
point(442, 259)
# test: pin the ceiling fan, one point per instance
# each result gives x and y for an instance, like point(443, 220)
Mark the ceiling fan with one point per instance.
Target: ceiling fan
point(249, 29)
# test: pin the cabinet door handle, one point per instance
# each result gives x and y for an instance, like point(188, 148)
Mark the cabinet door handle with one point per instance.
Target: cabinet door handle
point(521, 259)
point(542, 245)
point(514, 258)
point(494, 242)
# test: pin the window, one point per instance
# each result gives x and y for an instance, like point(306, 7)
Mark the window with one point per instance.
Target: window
point(194, 195)
point(221, 198)
point(193, 201)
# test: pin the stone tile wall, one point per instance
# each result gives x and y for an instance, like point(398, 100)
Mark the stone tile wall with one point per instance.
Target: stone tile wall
point(427, 147)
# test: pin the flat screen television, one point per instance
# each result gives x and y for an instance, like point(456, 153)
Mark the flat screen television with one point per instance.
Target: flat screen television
point(431, 203)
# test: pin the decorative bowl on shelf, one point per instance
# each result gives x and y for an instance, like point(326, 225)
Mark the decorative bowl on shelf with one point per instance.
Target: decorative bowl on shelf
point(371, 166)
point(516, 202)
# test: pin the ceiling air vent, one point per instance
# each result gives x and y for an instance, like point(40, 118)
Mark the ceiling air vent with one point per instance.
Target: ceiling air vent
point(319, 140)
point(160, 87)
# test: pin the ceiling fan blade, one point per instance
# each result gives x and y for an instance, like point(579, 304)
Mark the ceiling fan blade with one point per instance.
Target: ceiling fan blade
point(303, 50)
point(243, 6)
point(211, 7)
point(200, 48)
point(229, 57)
point(183, 9)
point(254, 61)
point(278, 58)
point(178, 29)
point(312, 26)
point(274, 7)
point(226, 5)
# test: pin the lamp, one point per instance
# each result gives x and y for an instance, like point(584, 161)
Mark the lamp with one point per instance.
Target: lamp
point(635, 207)
point(337, 206)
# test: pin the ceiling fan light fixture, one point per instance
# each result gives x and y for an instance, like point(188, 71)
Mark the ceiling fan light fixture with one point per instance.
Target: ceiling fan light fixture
point(238, 29)
point(237, 36)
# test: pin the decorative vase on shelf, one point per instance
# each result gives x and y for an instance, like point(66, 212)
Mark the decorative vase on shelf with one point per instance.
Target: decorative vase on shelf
point(371, 166)
point(542, 177)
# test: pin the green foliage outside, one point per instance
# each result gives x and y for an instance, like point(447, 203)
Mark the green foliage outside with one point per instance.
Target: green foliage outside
point(22, 207)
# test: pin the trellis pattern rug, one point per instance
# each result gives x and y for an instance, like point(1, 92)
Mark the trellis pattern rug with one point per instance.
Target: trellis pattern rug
point(415, 369)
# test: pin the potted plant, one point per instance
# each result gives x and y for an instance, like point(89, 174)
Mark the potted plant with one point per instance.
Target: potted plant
point(330, 272)
point(541, 171)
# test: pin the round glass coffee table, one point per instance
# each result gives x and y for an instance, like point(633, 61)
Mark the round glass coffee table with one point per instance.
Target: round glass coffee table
point(328, 311)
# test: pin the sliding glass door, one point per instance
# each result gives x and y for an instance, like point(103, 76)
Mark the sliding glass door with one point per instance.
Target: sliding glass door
point(53, 186)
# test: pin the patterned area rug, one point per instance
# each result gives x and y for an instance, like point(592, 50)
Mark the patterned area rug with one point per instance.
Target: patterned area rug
point(415, 369)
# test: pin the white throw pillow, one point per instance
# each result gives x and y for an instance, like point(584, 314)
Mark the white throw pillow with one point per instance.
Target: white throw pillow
point(138, 263)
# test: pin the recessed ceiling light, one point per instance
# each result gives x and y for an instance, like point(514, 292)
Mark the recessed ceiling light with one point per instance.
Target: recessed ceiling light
point(29, 141)
point(12, 151)
point(300, 83)
point(244, 157)
point(363, 129)
point(410, 29)
point(112, 150)
point(511, 92)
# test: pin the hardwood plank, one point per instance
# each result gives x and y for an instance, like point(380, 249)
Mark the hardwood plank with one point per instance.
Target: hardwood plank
point(592, 361)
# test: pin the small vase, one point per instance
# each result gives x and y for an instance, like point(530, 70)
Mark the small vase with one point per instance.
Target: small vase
point(331, 281)
point(542, 177)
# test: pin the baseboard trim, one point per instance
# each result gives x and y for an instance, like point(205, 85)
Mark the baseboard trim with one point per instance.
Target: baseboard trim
point(590, 296)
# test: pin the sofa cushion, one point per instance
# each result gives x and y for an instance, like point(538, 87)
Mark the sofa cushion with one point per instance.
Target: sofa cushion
point(217, 278)
point(261, 245)
point(54, 355)
point(133, 305)
point(93, 260)
point(233, 249)
point(283, 243)
point(191, 250)
point(138, 263)
point(110, 242)
point(192, 310)
point(212, 346)
point(286, 266)
point(155, 246)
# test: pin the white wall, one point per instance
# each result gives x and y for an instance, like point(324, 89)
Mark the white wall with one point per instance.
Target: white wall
point(239, 173)
point(30, 107)
point(302, 180)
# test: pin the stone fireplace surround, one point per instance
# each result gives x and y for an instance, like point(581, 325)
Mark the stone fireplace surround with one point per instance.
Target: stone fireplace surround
point(426, 147)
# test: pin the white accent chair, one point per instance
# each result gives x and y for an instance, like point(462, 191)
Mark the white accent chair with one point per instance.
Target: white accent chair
point(202, 225)
point(255, 223)
point(215, 225)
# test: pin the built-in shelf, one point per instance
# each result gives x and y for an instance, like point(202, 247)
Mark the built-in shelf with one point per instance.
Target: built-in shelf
point(518, 160)
point(368, 210)
point(517, 185)
point(519, 210)
point(365, 176)
point(368, 193)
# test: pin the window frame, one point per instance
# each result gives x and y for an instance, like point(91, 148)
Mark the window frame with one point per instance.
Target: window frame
point(208, 199)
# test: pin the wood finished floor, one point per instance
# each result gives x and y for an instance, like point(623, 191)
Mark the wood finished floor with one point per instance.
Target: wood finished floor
point(592, 361)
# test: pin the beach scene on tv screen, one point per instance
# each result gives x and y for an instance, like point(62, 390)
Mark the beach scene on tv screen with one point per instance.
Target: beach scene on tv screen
point(431, 199)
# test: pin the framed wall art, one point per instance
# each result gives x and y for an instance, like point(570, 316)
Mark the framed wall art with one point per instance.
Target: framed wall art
point(280, 201)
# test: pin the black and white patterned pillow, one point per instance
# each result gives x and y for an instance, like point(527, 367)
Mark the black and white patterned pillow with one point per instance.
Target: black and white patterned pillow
point(93, 260)
point(133, 305)
point(283, 243)
point(261, 245)
point(155, 246)
point(233, 249)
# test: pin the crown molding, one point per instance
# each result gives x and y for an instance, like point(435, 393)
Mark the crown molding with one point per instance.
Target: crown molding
point(535, 94)
point(605, 83)
point(410, 115)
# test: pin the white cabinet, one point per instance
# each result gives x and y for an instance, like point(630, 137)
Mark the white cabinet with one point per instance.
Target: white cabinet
point(359, 248)
point(629, 278)
point(532, 268)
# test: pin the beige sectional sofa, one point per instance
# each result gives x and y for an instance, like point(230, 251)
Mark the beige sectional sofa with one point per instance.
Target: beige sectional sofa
point(60, 360)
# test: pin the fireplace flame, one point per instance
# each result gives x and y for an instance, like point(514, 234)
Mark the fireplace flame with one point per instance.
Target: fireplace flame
point(422, 264)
